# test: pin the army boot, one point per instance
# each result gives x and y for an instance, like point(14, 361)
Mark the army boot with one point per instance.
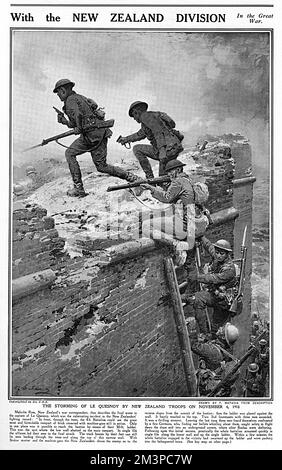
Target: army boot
point(77, 191)
point(145, 165)
point(149, 174)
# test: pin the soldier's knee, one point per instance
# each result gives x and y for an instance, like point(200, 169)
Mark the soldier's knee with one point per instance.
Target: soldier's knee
point(102, 167)
point(137, 150)
point(70, 154)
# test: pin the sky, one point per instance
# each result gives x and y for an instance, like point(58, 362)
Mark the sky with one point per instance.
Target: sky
point(211, 82)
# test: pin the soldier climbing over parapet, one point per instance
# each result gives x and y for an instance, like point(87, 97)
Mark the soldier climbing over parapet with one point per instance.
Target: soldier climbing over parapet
point(82, 112)
point(219, 281)
point(189, 221)
point(159, 129)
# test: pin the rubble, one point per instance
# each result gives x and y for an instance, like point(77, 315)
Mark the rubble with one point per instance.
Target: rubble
point(106, 215)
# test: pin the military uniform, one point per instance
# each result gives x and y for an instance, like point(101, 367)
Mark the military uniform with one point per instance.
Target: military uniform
point(212, 352)
point(254, 385)
point(209, 351)
point(156, 130)
point(81, 111)
point(221, 274)
point(181, 190)
point(181, 223)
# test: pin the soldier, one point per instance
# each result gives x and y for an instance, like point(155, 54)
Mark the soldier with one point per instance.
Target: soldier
point(160, 130)
point(218, 350)
point(80, 112)
point(32, 182)
point(254, 384)
point(216, 355)
point(178, 229)
point(220, 280)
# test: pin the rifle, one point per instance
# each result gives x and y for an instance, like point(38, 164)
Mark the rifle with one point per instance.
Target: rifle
point(135, 184)
point(235, 306)
point(237, 366)
point(88, 127)
point(198, 267)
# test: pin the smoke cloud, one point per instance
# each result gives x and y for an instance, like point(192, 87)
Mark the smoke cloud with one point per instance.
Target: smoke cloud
point(208, 82)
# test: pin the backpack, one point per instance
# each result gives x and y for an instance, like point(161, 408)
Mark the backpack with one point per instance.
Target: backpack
point(201, 193)
point(97, 112)
point(169, 122)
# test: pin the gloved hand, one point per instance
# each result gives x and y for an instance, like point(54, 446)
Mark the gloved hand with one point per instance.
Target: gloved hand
point(62, 120)
point(77, 130)
point(147, 186)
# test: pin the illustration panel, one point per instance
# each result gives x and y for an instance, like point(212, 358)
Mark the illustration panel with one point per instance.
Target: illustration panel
point(141, 216)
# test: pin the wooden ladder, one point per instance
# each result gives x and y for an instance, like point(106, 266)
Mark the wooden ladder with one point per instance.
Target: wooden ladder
point(182, 332)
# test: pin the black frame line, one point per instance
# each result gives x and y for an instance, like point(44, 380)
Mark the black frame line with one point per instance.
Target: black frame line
point(271, 194)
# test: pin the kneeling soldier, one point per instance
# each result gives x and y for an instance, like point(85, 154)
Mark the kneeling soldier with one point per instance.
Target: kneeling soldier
point(178, 230)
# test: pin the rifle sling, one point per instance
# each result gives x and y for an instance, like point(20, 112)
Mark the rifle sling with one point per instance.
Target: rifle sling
point(226, 353)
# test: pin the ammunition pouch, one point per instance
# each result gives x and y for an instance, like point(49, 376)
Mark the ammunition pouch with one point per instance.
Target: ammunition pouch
point(97, 134)
point(99, 113)
point(173, 147)
point(236, 306)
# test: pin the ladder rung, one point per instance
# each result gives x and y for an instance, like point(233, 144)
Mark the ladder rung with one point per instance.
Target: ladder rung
point(183, 284)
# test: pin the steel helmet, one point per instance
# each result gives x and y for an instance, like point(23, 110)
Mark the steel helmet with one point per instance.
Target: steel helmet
point(18, 189)
point(137, 103)
point(29, 170)
point(263, 355)
point(173, 164)
point(223, 245)
point(253, 368)
point(231, 333)
point(62, 82)
point(262, 342)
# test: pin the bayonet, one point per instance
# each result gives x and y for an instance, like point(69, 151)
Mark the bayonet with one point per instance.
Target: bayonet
point(237, 302)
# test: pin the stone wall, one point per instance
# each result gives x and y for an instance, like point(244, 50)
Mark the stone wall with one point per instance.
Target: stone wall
point(101, 324)
point(35, 240)
point(100, 330)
